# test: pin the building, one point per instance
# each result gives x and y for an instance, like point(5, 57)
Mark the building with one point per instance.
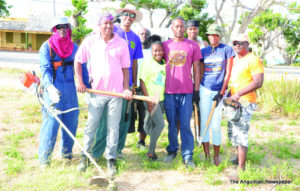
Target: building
point(26, 34)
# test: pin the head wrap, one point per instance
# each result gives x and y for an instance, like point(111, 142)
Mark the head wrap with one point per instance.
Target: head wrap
point(63, 46)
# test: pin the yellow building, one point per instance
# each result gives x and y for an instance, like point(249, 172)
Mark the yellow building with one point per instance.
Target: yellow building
point(24, 33)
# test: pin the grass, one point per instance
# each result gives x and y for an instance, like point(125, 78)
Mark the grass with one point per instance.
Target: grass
point(282, 96)
point(20, 170)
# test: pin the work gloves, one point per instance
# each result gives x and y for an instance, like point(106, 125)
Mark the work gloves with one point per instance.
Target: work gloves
point(218, 98)
point(196, 97)
point(54, 94)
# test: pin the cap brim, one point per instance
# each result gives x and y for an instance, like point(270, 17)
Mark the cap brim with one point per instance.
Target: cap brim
point(138, 14)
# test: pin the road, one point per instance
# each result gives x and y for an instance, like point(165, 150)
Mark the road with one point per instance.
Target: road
point(30, 61)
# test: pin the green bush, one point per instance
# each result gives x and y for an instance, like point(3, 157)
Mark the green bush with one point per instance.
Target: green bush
point(282, 96)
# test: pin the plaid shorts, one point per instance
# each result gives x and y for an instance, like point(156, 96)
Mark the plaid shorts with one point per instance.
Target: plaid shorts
point(238, 131)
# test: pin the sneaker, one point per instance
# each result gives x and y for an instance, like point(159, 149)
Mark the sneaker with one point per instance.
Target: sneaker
point(235, 161)
point(83, 164)
point(141, 145)
point(111, 168)
point(120, 156)
point(170, 157)
point(189, 163)
point(66, 162)
point(152, 156)
point(44, 166)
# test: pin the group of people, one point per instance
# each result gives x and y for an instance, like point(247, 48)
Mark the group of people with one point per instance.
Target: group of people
point(180, 70)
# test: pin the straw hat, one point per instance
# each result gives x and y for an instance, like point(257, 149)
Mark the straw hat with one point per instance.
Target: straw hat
point(132, 8)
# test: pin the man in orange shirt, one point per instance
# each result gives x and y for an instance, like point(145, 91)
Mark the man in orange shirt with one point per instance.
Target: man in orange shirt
point(247, 75)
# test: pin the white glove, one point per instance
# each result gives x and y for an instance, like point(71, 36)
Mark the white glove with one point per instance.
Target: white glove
point(54, 94)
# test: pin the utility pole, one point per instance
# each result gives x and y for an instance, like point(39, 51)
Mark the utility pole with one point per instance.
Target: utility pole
point(54, 12)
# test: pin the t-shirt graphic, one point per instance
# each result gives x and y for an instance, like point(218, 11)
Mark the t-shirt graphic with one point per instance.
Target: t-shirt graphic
point(213, 64)
point(132, 44)
point(160, 80)
point(177, 58)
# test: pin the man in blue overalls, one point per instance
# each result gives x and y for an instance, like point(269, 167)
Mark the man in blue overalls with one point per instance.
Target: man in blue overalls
point(56, 64)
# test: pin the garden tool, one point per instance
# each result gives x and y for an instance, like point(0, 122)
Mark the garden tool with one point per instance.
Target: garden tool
point(207, 122)
point(154, 100)
point(232, 110)
point(28, 80)
point(196, 125)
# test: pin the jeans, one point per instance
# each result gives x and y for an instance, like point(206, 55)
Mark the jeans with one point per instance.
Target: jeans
point(97, 104)
point(206, 102)
point(179, 106)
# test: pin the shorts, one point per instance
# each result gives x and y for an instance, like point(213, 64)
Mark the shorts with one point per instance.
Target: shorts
point(238, 131)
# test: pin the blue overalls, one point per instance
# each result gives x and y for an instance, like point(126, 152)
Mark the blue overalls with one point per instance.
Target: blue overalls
point(64, 82)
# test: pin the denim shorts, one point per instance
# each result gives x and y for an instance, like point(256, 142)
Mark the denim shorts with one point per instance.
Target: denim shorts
point(238, 131)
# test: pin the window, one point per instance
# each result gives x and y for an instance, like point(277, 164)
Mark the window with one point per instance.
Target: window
point(23, 38)
point(9, 37)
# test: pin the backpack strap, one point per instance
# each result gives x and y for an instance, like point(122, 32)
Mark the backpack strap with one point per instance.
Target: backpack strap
point(52, 56)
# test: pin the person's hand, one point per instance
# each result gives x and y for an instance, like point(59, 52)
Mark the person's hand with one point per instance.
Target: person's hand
point(150, 106)
point(196, 97)
point(54, 94)
point(127, 94)
point(218, 98)
point(81, 87)
point(235, 97)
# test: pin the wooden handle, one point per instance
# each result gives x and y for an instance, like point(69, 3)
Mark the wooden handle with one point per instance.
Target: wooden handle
point(138, 97)
point(211, 112)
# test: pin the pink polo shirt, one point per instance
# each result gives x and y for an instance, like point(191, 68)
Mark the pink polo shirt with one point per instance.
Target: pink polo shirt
point(105, 61)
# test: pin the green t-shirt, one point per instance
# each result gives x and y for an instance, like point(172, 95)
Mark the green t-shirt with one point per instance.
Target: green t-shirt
point(154, 75)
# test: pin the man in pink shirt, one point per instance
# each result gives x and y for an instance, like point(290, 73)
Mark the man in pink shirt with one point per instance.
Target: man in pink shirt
point(108, 58)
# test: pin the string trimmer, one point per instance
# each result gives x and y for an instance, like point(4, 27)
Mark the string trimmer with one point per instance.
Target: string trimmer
point(30, 82)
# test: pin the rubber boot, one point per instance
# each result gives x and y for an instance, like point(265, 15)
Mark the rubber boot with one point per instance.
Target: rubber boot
point(216, 157)
point(206, 150)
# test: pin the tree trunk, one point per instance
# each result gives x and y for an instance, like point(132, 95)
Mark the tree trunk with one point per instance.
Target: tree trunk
point(150, 17)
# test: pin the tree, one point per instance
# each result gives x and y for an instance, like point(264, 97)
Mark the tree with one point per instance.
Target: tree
point(291, 34)
point(170, 6)
point(192, 10)
point(271, 30)
point(4, 8)
point(80, 30)
point(247, 14)
point(266, 27)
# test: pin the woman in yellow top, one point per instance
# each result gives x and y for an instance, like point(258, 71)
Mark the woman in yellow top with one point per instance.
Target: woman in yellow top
point(152, 78)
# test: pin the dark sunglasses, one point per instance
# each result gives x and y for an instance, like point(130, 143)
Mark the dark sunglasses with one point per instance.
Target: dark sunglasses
point(129, 15)
point(65, 26)
point(238, 43)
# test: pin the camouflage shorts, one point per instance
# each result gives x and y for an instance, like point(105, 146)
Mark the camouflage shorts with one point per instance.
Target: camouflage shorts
point(238, 131)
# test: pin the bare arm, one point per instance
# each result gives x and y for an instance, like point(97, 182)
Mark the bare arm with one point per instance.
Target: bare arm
point(145, 92)
point(196, 74)
point(134, 72)
point(126, 92)
point(227, 75)
point(78, 72)
point(257, 82)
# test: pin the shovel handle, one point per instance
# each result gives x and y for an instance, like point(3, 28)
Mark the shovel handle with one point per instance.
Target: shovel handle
point(138, 97)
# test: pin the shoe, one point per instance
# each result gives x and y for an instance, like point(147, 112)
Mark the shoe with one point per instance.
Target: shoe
point(152, 156)
point(120, 156)
point(66, 162)
point(142, 145)
point(235, 161)
point(189, 163)
point(44, 166)
point(111, 168)
point(83, 164)
point(170, 157)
